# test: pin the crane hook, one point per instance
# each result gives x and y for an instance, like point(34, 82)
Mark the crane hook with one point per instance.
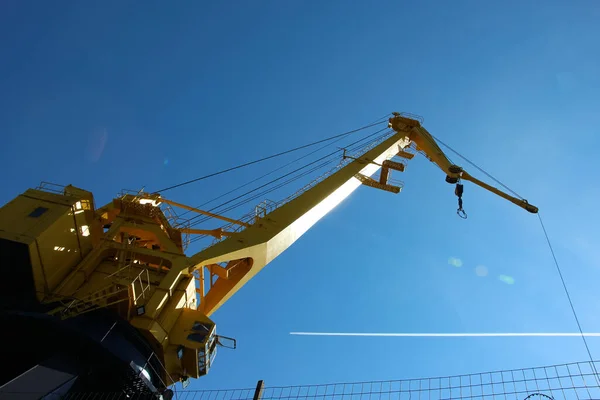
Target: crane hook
point(458, 191)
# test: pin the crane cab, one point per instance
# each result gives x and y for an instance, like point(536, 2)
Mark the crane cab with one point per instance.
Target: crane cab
point(195, 340)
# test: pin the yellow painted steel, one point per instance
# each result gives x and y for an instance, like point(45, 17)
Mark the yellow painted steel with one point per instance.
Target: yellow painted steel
point(129, 257)
point(218, 233)
point(425, 142)
point(207, 213)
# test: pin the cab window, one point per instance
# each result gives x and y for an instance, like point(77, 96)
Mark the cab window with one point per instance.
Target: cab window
point(197, 337)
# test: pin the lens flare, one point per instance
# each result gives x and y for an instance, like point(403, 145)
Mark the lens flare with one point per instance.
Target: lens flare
point(481, 270)
point(509, 280)
point(456, 262)
point(96, 144)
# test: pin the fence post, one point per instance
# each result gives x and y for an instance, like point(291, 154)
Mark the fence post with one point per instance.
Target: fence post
point(259, 390)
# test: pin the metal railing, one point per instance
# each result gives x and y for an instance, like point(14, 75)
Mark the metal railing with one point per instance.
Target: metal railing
point(51, 187)
point(261, 210)
point(413, 116)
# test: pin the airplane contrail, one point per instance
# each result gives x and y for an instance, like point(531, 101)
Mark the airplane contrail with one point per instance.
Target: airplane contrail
point(526, 334)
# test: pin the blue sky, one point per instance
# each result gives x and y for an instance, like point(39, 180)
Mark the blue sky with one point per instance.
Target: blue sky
point(116, 95)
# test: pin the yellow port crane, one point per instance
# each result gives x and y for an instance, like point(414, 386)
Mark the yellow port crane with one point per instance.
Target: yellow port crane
point(128, 256)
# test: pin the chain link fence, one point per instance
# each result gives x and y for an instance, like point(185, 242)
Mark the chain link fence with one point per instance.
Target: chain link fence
point(563, 381)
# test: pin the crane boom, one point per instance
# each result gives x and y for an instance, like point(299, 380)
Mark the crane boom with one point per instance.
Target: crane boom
point(434, 153)
point(128, 257)
point(273, 234)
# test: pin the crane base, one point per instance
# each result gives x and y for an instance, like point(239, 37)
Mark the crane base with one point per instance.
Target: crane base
point(93, 354)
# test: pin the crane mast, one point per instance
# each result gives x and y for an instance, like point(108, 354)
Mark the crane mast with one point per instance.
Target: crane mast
point(102, 271)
